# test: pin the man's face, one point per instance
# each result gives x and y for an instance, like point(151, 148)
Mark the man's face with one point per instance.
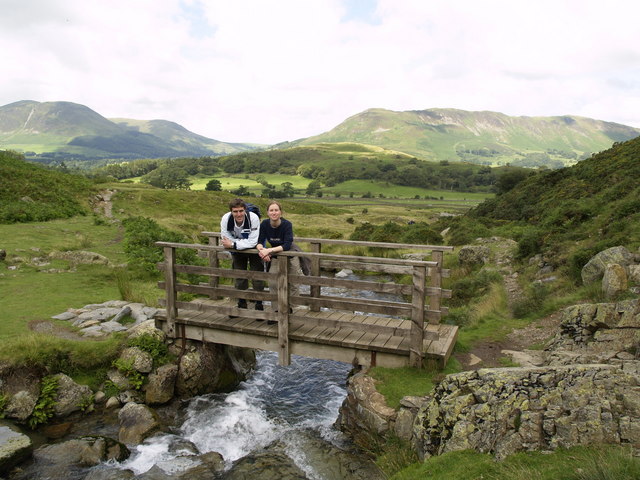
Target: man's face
point(238, 214)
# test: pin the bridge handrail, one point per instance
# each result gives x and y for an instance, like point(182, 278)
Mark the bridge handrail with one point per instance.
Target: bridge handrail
point(291, 253)
point(359, 243)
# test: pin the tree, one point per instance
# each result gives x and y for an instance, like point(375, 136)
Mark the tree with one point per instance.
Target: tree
point(287, 189)
point(167, 177)
point(213, 185)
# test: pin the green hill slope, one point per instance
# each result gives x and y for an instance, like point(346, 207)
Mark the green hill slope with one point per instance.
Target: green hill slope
point(30, 192)
point(569, 214)
point(50, 131)
point(488, 138)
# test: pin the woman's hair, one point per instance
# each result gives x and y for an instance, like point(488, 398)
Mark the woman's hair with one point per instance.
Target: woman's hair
point(274, 202)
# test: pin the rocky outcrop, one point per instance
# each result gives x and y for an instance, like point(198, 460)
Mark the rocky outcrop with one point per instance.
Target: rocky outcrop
point(598, 333)
point(364, 413)
point(507, 410)
point(583, 389)
point(161, 385)
point(102, 319)
point(614, 280)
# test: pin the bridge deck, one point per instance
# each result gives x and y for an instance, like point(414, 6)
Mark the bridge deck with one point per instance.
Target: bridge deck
point(355, 340)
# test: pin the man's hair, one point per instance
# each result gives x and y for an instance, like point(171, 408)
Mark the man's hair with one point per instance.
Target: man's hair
point(237, 202)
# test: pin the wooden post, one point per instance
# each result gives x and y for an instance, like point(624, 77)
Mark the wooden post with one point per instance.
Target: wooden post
point(314, 290)
point(170, 286)
point(436, 281)
point(284, 356)
point(215, 263)
point(417, 316)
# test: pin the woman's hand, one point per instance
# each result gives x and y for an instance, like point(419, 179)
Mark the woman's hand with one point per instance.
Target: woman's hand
point(265, 254)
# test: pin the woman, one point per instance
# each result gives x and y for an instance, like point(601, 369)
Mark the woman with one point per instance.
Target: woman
point(278, 232)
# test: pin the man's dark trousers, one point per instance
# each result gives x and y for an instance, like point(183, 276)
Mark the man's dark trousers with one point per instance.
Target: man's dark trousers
point(254, 262)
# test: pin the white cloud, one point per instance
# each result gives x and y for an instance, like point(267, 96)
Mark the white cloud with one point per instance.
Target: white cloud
point(256, 71)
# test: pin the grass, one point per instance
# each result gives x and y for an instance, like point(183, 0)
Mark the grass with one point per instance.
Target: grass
point(395, 383)
point(604, 462)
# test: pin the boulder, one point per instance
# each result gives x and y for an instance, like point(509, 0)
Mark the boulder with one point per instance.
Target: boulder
point(20, 405)
point(161, 385)
point(70, 396)
point(502, 411)
point(209, 368)
point(594, 268)
point(634, 274)
point(472, 255)
point(140, 360)
point(137, 422)
point(72, 459)
point(148, 327)
point(614, 280)
point(15, 447)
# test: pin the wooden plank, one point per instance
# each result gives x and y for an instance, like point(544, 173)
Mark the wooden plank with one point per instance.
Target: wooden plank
point(357, 304)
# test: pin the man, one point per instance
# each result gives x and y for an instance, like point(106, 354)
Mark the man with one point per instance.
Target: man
point(240, 230)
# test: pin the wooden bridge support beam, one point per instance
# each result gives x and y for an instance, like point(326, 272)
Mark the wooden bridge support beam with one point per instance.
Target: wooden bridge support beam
point(170, 282)
point(417, 316)
point(284, 355)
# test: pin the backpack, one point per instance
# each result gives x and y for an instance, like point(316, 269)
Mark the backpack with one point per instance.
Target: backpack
point(250, 207)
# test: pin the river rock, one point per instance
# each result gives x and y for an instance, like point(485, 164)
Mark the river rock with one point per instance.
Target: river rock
point(594, 268)
point(506, 410)
point(72, 458)
point(15, 447)
point(161, 385)
point(209, 367)
point(70, 396)
point(20, 405)
point(140, 360)
point(137, 422)
point(614, 280)
point(265, 466)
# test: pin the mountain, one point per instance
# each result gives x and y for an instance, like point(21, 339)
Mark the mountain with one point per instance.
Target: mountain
point(65, 130)
point(488, 138)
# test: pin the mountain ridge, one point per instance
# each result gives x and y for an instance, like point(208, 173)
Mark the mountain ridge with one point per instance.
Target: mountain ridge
point(58, 130)
point(50, 131)
point(480, 137)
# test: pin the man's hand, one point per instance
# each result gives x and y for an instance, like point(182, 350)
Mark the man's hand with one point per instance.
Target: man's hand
point(227, 243)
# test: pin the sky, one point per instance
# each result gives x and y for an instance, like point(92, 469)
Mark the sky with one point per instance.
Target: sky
point(268, 71)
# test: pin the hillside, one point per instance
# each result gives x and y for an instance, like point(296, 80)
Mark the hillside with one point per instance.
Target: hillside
point(48, 131)
point(567, 215)
point(487, 138)
point(30, 192)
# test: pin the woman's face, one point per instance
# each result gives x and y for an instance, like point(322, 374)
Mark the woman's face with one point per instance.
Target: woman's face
point(274, 212)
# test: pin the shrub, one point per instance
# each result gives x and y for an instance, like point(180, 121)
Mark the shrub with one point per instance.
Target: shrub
point(46, 403)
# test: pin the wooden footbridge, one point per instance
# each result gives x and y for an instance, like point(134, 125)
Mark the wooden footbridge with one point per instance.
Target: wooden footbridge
point(349, 326)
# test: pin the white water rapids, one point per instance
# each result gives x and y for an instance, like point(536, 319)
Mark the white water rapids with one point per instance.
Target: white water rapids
point(273, 404)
